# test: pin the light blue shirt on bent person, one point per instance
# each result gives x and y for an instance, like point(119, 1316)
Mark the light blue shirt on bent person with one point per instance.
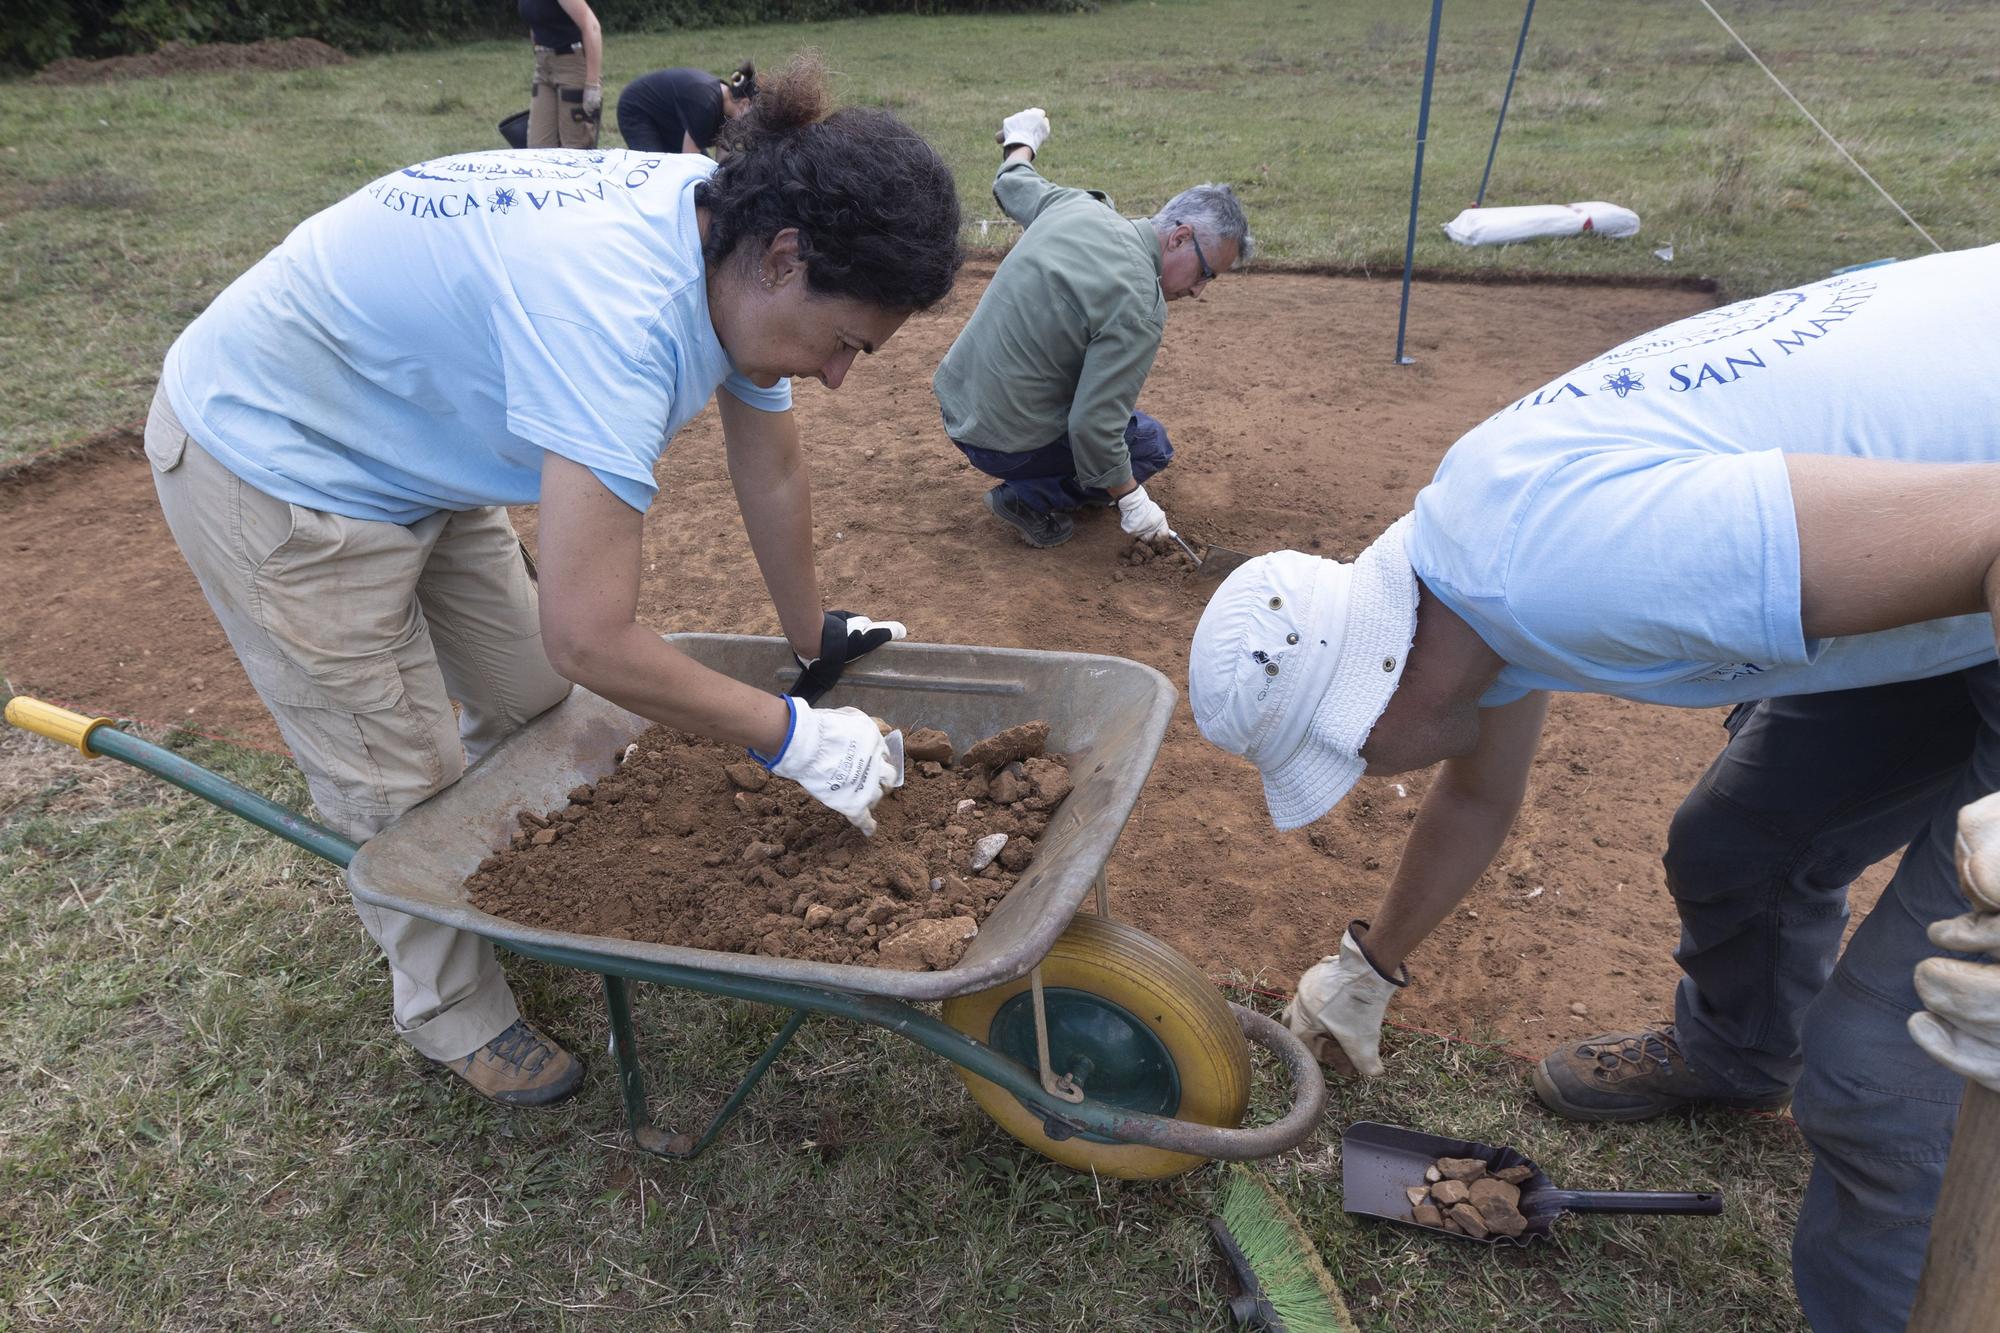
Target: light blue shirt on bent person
point(1628, 528)
point(419, 345)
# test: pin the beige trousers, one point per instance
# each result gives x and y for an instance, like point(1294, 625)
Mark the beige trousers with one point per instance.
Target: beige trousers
point(556, 117)
point(358, 636)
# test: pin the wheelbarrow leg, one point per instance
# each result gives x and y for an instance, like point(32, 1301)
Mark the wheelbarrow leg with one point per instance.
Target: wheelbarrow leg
point(632, 1083)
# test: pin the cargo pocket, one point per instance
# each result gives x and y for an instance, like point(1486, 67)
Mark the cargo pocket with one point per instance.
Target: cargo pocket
point(351, 724)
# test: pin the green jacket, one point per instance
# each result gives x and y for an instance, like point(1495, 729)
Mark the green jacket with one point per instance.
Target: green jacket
point(1064, 336)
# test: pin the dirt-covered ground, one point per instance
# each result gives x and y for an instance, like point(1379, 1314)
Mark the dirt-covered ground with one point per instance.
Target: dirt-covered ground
point(206, 58)
point(1292, 428)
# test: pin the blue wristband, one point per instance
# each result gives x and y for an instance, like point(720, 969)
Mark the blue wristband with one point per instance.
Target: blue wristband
point(791, 725)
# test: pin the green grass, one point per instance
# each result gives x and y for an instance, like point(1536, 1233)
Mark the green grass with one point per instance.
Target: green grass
point(124, 208)
point(205, 1122)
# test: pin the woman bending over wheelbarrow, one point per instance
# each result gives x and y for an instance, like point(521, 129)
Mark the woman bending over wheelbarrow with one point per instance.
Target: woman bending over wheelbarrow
point(334, 438)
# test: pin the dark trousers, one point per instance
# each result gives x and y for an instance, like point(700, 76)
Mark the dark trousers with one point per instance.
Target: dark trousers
point(1809, 791)
point(1044, 479)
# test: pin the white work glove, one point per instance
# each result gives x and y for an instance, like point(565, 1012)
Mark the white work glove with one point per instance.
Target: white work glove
point(841, 758)
point(1344, 999)
point(1030, 127)
point(1140, 517)
point(1959, 1026)
point(593, 99)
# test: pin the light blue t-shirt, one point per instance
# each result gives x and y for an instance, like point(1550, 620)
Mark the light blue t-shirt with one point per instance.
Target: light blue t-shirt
point(1628, 528)
point(418, 345)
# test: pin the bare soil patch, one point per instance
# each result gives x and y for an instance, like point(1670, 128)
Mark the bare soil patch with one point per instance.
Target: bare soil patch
point(1292, 429)
point(691, 843)
point(206, 58)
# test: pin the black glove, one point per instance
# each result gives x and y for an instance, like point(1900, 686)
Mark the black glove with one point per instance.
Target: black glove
point(843, 636)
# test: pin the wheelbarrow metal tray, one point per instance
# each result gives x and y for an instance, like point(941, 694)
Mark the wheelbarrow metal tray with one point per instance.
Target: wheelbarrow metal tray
point(1106, 714)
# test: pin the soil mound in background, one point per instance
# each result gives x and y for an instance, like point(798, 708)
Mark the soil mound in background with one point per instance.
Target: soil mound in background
point(208, 58)
point(690, 843)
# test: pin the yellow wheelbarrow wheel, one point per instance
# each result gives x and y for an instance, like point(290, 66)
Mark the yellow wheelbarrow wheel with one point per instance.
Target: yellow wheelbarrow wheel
point(1134, 1024)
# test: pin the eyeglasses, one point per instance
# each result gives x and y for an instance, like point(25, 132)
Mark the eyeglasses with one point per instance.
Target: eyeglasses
point(1207, 273)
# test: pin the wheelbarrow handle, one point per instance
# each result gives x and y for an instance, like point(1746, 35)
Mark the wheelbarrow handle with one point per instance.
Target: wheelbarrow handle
point(1626, 1201)
point(55, 723)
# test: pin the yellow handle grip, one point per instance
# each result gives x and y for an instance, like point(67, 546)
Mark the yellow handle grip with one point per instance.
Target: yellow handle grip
point(58, 724)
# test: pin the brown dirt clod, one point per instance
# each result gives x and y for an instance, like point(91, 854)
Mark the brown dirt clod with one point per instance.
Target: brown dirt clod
point(1016, 743)
point(927, 744)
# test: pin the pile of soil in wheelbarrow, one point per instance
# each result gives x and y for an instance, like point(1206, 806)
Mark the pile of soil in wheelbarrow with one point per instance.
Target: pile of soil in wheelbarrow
point(690, 843)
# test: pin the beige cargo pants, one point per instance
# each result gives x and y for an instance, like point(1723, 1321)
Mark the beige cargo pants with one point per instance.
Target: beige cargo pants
point(556, 118)
point(358, 636)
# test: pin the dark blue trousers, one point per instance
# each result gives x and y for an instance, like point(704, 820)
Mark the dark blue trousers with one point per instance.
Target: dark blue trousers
point(1810, 791)
point(1044, 479)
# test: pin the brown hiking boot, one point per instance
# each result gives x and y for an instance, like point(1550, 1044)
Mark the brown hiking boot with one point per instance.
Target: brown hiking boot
point(1632, 1076)
point(520, 1067)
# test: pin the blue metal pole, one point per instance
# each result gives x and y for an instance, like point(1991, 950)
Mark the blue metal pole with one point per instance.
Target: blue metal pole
point(1417, 180)
point(1505, 98)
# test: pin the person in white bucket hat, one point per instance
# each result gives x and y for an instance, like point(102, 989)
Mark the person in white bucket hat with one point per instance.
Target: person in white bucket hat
point(1787, 505)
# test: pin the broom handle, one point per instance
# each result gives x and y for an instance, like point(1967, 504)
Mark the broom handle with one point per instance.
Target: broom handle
point(1960, 1288)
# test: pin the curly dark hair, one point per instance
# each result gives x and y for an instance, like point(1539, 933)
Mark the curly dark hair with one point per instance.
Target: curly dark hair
point(875, 206)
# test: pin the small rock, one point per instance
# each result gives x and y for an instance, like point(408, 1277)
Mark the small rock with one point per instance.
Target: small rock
point(531, 821)
point(986, 849)
point(957, 831)
point(761, 851)
point(1432, 1174)
point(857, 924)
point(1417, 1194)
point(1579, 1008)
point(880, 911)
point(1424, 1215)
point(581, 795)
point(818, 915)
point(746, 776)
point(1514, 1175)
point(1447, 1193)
point(1503, 1220)
point(927, 743)
point(930, 768)
point(931, 943)
point(1489, 1191)
point(1005, 789)
point(1450, 1224)
point(1461, 1168)
point(543, 837)
point(937, 883)
point(1050, 778)
point(1469, 1219)
point(1023, 742)
point(1016, 855)
point(968, 804)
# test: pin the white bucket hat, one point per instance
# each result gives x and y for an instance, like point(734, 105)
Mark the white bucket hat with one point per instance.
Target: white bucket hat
point(1295, 658)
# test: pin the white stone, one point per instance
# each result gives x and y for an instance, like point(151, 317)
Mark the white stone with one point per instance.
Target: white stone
point(986, 849)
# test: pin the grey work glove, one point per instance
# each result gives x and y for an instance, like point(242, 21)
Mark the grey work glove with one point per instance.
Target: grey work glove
point(593, 100)
point(1028, 128)
point(1338, 1007)
point(1959, 1026)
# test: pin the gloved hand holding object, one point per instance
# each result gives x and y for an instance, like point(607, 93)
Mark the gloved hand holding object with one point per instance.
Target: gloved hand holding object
point(1141, 517)
point(841, 758)
point(1344, 998)
point(593, 99)
point(843, 637)
point(1959, 1026)
point(1029, 129)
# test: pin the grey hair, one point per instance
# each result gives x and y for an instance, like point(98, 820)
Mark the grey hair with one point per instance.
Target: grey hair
point(1213, 212)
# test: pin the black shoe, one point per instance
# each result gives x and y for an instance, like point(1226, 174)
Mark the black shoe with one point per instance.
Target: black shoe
point(1036, 528)
point(1632, 1076)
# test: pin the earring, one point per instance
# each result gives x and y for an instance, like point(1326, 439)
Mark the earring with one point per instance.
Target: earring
point(765, 278)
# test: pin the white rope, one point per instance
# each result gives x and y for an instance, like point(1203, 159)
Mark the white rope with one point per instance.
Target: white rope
point(1823, 130)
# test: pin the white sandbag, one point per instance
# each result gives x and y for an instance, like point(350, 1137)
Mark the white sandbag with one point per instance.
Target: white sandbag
point(1503, 226)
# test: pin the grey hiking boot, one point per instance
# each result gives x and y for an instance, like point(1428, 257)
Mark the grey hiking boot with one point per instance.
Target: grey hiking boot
point(1632, 1076)
point(1036, 528)
point(520, 1067)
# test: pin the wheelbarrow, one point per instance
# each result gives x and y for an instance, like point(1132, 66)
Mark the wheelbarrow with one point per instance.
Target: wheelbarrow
point(1084, 1038)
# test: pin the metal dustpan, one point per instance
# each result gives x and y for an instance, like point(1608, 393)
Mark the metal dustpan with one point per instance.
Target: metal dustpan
point(1379, 1162)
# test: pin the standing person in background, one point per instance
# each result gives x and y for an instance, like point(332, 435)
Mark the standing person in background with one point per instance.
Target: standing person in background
point(1039, 390)
point(682, 110)
point(566, 100)
point(466, 349)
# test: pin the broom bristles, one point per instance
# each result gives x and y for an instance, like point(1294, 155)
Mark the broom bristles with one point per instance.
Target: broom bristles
point(1295, 1282)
